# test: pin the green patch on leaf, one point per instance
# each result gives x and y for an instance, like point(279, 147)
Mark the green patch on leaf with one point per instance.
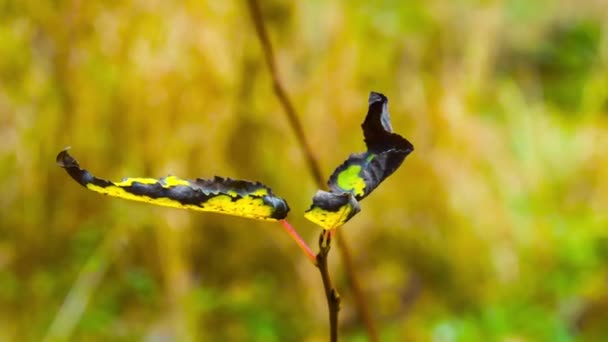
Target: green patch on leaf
point(350, 180)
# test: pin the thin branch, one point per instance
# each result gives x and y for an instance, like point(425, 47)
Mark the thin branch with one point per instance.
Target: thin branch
point(313, 165)
point(360, 300)
point(279, 90)
point(333, 298)
point(301, 243)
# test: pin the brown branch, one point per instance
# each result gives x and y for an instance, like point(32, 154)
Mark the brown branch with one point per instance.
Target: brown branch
point(313, 165)
point(280, 92)
point(360, 301)
point(333, 298)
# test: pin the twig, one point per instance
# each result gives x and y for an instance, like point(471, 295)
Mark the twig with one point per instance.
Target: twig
point(333, 298)
point(279, 90)
point(313, 165)
point(301, 243)
point(360, 301)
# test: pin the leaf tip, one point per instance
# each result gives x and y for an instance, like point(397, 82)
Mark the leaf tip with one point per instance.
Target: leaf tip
point(376, 97)
point(65, 160)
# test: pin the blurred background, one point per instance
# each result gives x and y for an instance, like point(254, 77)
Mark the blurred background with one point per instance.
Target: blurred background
point(494, 228)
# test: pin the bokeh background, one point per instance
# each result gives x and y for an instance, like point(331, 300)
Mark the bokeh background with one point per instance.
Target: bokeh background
point(494, 229)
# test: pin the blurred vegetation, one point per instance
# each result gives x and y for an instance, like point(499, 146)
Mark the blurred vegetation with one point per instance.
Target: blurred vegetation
point(494, 229)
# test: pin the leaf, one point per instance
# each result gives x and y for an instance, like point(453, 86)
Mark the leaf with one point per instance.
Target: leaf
point(331, 210)
point(361, 173)
point(220, 195)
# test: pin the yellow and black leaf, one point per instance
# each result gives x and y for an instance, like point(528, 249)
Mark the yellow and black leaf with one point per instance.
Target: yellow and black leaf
point(220, 195)
point(361, 173)
point(330, 210)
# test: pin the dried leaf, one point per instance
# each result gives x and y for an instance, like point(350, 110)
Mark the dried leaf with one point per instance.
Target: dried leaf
point(220, 195)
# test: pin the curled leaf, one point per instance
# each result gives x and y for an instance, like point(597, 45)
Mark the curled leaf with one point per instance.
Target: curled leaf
point(361, 173)
point(220, 195)
point(331, 210)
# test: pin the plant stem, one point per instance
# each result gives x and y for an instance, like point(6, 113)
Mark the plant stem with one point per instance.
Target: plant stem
point(279, 89)
point(313, 165)
point(333, 298)
point(301, 243)
point(360, 300)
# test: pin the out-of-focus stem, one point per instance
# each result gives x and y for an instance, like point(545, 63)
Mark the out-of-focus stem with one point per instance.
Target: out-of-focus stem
point(313, 165)
point(86, 283)
point(177, 277)
point(301, 243)
point(279, 89)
